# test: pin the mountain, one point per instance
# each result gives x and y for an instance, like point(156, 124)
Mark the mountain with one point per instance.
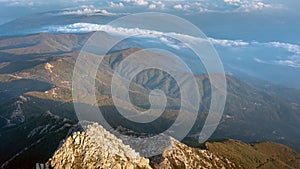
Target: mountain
point(33, 140)
point(42, 43)
point(36, 78)
point(42, 21)
point(98, 148)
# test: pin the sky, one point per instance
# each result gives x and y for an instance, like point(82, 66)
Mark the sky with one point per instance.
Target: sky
point(214, 17)
point(12, 9)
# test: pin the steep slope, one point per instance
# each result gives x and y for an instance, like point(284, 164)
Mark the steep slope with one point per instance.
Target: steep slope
point(42, 43)
point(98, 148)
point(24, 144)
point(253, 114)
point(182, 156)
point(245, 156)
point(280, 152)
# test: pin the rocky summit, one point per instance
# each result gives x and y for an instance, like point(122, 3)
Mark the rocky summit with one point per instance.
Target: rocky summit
point(98, 148)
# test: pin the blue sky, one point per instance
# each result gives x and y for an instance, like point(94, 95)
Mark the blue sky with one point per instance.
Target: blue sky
point(11, 9)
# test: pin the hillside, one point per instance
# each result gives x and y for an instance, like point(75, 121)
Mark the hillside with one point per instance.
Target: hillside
point(43, 64)
point(32, 141)
point(95, 148)
point(281, 152)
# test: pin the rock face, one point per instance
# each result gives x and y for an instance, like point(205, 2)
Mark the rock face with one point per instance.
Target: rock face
point(96, 148)
point(184, 157)
point(146, 144)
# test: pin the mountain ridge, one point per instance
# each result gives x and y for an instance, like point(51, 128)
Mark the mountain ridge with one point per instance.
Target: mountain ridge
point(252, 113)
point(177, 155)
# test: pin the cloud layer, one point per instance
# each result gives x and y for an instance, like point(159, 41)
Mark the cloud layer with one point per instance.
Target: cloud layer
point(206, 5)
point(194, 6)
point(291, 58)
point(85, 10)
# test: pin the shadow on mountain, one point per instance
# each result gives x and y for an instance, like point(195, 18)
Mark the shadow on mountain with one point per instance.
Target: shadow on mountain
point(16, 88)
point(18, 66)
point(32, 141)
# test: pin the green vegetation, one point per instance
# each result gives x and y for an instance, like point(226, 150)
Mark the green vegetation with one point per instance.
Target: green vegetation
point(246, 156)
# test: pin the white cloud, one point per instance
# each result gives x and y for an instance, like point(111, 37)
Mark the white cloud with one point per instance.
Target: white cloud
point(76, 28)
point(178, 6)
point(142, 2)
point(116, 5)
point(261, 5)
point(289, 47)
point(152, 6)
point(159, 4)
point(231, 1)
point(292, 48)
point(259, 60)
point(232, 5)
point(172, 43)
point(137, 2)
point(248, 6)
point(77, 1)
point(182, 7)
point(228, 43)
point(19, 3)
point(79, 27)
point(207, 5)
point(186, 7)
point(292, 60)
point(89, 27)
point(86, 10)
point(289, 63)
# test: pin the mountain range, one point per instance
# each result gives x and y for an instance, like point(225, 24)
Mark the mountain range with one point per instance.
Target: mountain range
point(36, 110)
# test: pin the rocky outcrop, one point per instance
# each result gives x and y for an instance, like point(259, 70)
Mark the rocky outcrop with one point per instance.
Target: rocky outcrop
point(96, 148)
point(184, 157)
point(146, 144)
